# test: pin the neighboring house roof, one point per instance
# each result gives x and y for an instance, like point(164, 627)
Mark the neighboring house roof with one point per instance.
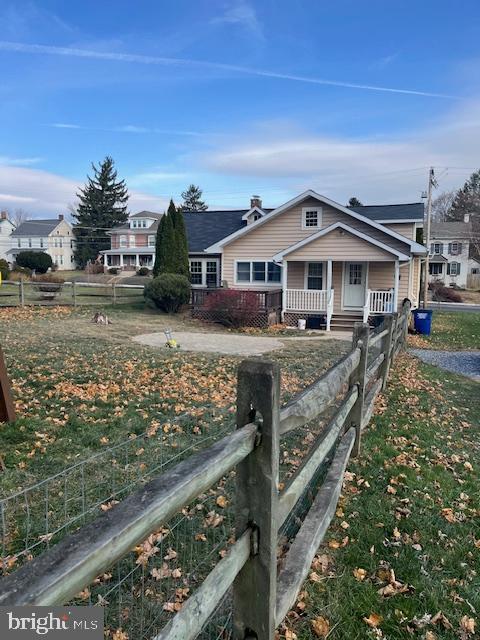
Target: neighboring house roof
point(412, 212)
point(205, 228)
point(146, 214)
point(36, 227)
point(339, 225)
point(216, 247)
point(438, 258)
point(451, 230)
point(29, 249)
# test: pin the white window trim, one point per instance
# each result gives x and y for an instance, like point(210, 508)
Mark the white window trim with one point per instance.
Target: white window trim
point(123, 241)
point(344, 278)
point(319, 211)
point(256, 283)
point(132, 241)
point(439, 252)
point(204, 261)
point(440, 271)
point(305, 273)
point(148, 240)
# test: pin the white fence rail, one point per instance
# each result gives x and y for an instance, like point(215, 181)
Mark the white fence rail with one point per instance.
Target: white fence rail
point(306, 299)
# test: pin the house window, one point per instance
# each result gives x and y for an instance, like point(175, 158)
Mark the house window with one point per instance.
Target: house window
point(258, 271)
point(453, 269)
point(71, 259)
point(243, 271)
point(196, 272)
point(19, 243)
point(55, 242)
point(151, 241)
point(132, 241)
point(475, 270)
point(123, 241)
point(437, 248)
point(144, 224)
point(311, 218)
point(212, 273)
point(315, 275)
point(435, 268)
point(355, 273)
point(30, 242)
point(134, 224)
point(60, 242)
point(41, 243)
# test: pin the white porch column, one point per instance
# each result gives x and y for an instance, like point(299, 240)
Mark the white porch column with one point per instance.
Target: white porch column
point(105, 260)
point(329, 275)
point(396, 285)
point(284, 287)
point(121, 260)
point(137, 260)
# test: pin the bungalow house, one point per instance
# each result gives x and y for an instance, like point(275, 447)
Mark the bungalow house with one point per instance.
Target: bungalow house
point(6, 229)
point(52, 236)
point(327, 260)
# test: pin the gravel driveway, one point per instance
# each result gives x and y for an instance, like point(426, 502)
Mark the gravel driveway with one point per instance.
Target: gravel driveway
point(466, 363)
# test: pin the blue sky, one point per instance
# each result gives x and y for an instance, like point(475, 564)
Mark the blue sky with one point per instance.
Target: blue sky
point(241, 97)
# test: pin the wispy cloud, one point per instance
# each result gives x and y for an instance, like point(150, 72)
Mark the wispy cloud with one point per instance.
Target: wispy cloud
point(243, 14)
point(19, 162)
point(10, 197)
point(127, 128)
point(384, 62)
point(150, 178)
point(20, 47)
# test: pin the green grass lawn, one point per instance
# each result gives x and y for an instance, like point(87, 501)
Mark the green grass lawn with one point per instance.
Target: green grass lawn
point(451, 331)
point(405, 544)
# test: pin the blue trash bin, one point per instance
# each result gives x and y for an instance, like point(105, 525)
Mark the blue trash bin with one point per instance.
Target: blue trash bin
point(422, 321)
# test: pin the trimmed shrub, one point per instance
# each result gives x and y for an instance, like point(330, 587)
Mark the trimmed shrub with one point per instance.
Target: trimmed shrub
point(35, 260)
point(20, 273)
point(143, 271)
point(168, 291)
point(94, 267)
point(441, 293)
point(114, 271)
point(4, 269)
point(233, 308)
point(49, 284)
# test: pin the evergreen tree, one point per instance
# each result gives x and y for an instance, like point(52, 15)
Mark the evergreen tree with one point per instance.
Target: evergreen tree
point(164, 246)
point(467, 199)
point(180, 256)
point(192, 199)
point(102, 205)
point(354, 202)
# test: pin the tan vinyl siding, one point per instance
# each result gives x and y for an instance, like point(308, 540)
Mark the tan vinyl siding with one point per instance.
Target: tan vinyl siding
point(416, 280)
point(284, 230)
point(296, 275)
point(339, 245)
point(406, 229)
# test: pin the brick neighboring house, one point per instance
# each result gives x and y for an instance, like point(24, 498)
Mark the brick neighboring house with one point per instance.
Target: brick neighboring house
point(52, 236)
point(6, 229)
point(450, 253)
point(320, 258)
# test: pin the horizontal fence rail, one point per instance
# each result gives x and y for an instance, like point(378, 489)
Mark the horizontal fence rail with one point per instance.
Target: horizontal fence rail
point(306, 299)
point(262, 592)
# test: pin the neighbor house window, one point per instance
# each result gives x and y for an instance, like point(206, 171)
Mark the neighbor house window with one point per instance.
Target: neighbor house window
point(212, 273)
point(437, 248)
point(311, 218)
point(453, 269)
point(41, 243)
point(30, 242)
point(132, 241)
point(258, 271)
point(475, 270)
point(144, 224)
point(196, 272)
point(19, 243)
point(435, 268)
point(61, 242)
point(123, 241)
point(151, 241)
point(315, 275)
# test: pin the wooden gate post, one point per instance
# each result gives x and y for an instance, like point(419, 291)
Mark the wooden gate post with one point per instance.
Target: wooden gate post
point(21, 293)
point(74, 293)
point(254, 589)
point(406, 312)
point(361, 333)
point(387, 347)
point(114, 294)
point(7, 409)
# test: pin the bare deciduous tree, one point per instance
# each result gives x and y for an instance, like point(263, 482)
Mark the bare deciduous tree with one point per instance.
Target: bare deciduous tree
point(442, 204)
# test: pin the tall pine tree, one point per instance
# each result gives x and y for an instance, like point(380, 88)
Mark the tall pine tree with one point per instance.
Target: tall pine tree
point(102, 205)
point(354, 202)
point(192, 199)
point(171, 250)
point(182, 265)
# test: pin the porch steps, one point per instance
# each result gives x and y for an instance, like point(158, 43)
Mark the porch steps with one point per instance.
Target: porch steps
point(345, 321)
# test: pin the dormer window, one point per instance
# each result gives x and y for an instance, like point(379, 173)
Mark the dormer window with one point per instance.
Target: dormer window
point(311, 218)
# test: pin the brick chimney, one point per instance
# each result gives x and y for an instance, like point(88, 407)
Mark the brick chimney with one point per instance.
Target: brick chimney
point(3, 215)
point(60, 216)
point(255, 201)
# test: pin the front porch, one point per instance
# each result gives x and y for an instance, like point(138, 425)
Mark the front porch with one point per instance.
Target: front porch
point(339, 292)
point(129, 259)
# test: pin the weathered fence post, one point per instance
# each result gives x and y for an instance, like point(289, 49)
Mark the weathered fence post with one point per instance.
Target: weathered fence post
point(254, 589)
point(385, 368)
point(361, 333)
point(21, 293)
point(406, 312)
point(114, 293)
point(394, 341)
point(7, 408)
point(74, 293)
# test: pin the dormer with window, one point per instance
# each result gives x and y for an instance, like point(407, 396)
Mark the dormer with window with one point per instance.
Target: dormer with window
point(141, 223)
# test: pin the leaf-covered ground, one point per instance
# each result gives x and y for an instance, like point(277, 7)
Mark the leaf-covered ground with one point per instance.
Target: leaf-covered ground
point(402, 558)
point(451, 331)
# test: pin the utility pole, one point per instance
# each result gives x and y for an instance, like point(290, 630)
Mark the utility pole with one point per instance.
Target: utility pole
point(431, 184)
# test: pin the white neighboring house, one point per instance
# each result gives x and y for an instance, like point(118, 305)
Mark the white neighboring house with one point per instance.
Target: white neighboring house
point(6, 229)
point(450, 260)
point(53, 236)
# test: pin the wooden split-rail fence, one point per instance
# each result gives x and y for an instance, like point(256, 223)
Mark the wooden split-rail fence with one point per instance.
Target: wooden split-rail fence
point(262, 592)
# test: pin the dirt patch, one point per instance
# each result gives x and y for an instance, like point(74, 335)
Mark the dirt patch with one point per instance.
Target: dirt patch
point(228, 344)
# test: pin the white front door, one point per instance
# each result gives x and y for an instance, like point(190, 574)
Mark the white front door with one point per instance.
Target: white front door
point(354, 284)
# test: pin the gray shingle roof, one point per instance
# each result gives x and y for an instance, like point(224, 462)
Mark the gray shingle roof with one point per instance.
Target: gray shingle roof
point(147, 214)
point(452, 230)
point(412, 211)
point(208, 227)
point(36, 227)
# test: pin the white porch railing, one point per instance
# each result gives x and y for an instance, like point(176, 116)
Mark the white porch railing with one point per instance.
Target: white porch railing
point(306, 300)
point(329, 308)
point(378, 302)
